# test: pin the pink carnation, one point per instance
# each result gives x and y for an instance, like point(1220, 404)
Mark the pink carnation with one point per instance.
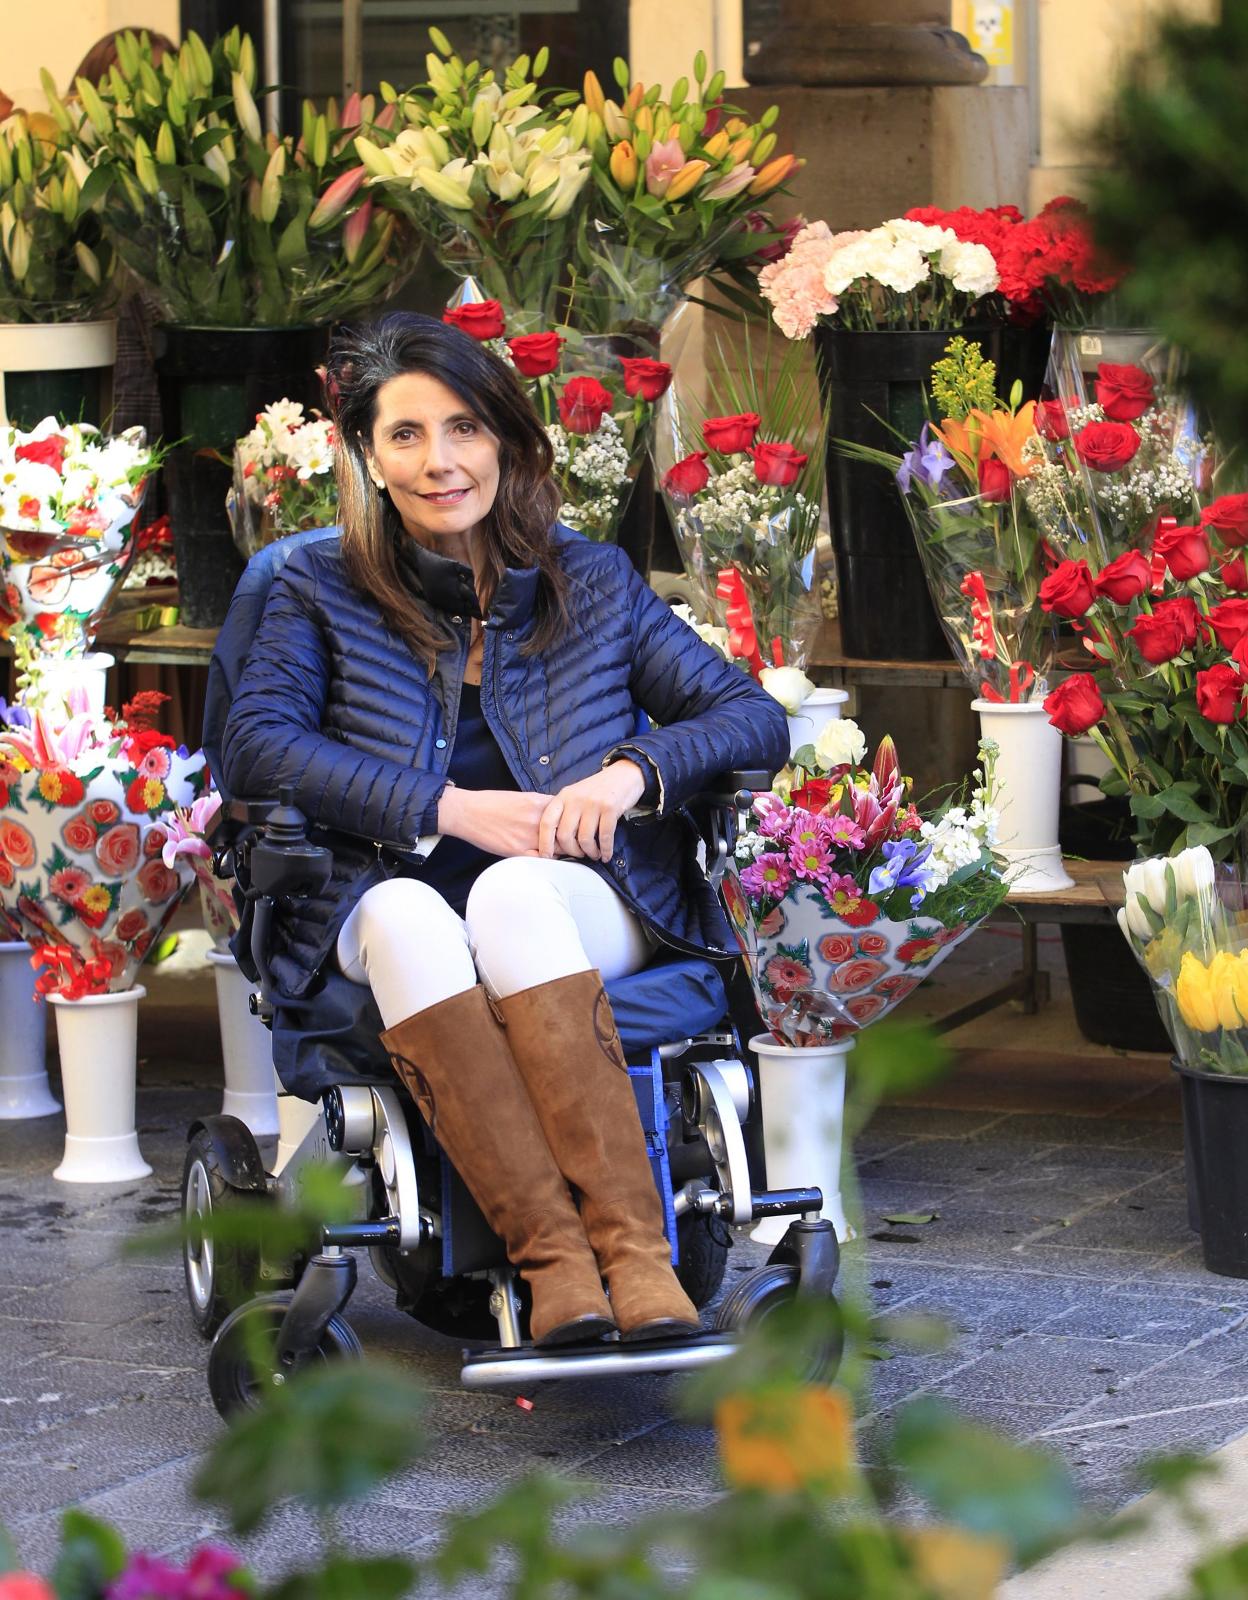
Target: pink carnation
point(795, 284)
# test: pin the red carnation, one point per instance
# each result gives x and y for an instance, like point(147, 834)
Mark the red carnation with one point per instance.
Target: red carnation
point(777, 464)
point(689, 476)
point(1076, 705)
point(49, 452)
point(1220, 694)
point(582, 405)
point(1228, 517)
point(729, 435)
point(535, 354)
point(996, 482)
point(482, 320)
point(645, 377)
point(1069, 590)
point(1123, 392)
point(1106, 446)
point(1184, 550)
point(1125, 578)
point(1051, 420)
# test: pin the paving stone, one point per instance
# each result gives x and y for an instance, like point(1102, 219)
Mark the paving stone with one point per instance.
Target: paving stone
point(1034, 1368)
point(675, 1459)
point(1148, 1319)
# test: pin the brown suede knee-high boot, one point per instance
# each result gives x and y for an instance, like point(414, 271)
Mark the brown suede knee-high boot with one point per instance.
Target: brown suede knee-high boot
point(454, 1058)
point(564, 1040)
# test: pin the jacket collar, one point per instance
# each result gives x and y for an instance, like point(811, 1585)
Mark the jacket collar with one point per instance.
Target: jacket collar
point(448, 586)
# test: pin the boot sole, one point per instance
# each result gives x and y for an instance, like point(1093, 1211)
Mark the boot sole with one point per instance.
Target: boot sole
point(581, 1330)
point(662, 1328)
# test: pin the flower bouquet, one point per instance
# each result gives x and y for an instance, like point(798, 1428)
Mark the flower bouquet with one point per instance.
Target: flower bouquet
point(1124, 443)
point(744, 490)
point(1167, 691)
point(55, 264)
point(83, 803)
point(597, 406)
point(68, 500)
point(846, 899)
point(186, 840)
point(229, 226)
point(283, 477)
point(1187, 925)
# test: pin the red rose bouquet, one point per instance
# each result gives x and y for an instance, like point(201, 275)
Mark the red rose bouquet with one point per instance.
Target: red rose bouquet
point(85, 807)
point(743, 481)
point(843, 897)
point(1166, 690)
point(596, 398)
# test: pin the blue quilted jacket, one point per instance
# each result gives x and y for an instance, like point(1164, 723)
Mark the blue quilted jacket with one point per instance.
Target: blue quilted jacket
point(334, 704)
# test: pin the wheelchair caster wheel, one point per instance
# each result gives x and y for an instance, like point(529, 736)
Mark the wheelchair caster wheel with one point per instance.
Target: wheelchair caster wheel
point(219, 1274)
point(759, 1295)
point(242, 1364)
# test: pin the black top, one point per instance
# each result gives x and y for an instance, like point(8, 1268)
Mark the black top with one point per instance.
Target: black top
point(454, 865)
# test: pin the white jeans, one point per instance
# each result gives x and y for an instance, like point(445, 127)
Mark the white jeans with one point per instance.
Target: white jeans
point(527, 922)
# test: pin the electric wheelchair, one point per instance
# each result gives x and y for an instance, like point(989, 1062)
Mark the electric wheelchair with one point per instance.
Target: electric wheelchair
point(682, 1021)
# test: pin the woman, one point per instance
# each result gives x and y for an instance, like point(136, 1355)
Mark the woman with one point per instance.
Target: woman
point(452, 692)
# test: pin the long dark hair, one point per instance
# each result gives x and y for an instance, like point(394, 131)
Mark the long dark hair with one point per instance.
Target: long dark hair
point(515, 533)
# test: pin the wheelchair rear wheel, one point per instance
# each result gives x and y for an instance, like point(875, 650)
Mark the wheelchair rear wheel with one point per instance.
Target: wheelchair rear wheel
point(760, 1294)
point(220, 1274)
point(242, 1364)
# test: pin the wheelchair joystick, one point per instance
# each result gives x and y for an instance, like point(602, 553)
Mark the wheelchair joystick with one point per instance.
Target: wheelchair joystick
point(284, 862)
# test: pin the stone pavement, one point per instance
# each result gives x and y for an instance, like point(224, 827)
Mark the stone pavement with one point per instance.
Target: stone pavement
point(1061, 1256)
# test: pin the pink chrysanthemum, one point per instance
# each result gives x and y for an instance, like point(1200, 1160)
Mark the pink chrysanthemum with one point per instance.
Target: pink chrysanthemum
point(810, 859)
point(767, 875)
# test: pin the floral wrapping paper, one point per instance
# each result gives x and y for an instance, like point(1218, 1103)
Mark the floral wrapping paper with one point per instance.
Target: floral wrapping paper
point(80, 854)
point(818, 976)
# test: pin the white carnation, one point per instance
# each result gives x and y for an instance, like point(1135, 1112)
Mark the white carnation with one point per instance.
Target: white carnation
point(971, 267)
point(922, 235)
point(841, 743)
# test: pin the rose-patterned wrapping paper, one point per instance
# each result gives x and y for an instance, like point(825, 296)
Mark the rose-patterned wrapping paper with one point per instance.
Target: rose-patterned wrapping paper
point(80, 853)
point(817, 977)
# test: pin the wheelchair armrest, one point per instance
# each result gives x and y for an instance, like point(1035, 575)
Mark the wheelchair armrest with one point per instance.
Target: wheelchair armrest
point(250, 813)
point(727, 786)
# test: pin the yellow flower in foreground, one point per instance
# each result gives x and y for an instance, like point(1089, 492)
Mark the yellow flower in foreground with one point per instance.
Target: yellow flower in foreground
point(956, 1565)
point(786, 1439)
point(1228, 983)
point(1194, 994)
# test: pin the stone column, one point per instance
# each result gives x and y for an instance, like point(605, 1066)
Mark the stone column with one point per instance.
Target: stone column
point(856, 43)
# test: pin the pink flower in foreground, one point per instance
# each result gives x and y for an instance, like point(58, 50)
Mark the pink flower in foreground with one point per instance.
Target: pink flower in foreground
point(769, 874)
point(845, 831)
point(810, 859)
point(795, 285)
point(665, 160)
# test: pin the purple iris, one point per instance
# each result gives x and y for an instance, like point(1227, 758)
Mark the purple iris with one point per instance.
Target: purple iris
point(927, 461)
point(904, 867)
point(13, 716)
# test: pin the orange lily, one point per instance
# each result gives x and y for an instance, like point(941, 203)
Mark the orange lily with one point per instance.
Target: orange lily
point(1004, 434)
point(961, 436)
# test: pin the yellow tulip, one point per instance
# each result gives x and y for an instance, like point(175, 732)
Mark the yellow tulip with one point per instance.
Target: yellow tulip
point(623, 164)
point(592, 93)
point(1194, 995)
point(1228, 985)
point(774, 174)
point(686, 179)
point(718, 146)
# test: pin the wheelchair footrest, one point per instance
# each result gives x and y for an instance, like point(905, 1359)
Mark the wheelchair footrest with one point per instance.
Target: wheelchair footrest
point(489, 1369)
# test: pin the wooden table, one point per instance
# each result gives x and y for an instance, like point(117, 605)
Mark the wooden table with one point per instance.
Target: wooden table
point(1094, 897)
point(168, 646)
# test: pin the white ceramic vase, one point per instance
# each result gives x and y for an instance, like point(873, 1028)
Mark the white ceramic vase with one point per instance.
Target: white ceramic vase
point(818, 709)
point(54, 347)
point(247, 1049)
point(24, 1088)
point(1029, 776)
point(802, 1097)
point(98, 1037)
point(295, 1118)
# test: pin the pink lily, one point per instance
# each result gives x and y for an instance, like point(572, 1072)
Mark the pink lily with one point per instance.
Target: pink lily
point(665, 160)
point(338, 195)
point(53, 741)
point(741, 176)
point(185, 830)
point(356, 229)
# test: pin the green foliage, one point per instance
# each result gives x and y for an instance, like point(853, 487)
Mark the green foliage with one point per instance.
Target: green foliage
point(325, 1438)
point(92, 1554)
point(985, 1482)
point(1171, 200)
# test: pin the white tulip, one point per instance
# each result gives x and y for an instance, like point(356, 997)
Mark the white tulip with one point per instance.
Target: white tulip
point(1124, 924)
point(790, 686)
point(1193, 871)
point(1136, 923)
point(1147, 878)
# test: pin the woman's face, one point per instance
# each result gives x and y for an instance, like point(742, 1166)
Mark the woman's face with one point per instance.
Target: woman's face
point(438, 461)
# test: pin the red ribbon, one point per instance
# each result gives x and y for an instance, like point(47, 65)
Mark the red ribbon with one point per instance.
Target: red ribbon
point(1022, 676)
point(742, 635)
point(68, 975)
point(1156, 563)
point(982, 632)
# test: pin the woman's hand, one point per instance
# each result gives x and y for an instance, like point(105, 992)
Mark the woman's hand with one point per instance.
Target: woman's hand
point(582, 818)
point(503, 822)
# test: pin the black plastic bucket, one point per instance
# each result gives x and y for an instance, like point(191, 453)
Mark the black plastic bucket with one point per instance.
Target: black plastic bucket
point(212, 383)
point(1215, 1130)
